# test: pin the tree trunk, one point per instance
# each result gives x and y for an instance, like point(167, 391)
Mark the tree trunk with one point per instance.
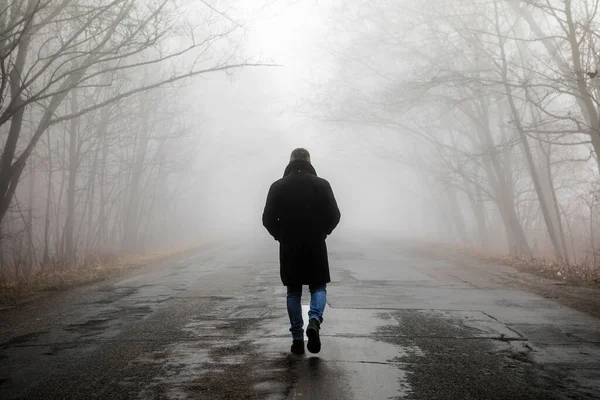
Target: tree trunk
point(48, 206)
point(70, 247)
point(547, 183)
point(502, 188)
point(60, 237)
point(457, 218)
point(31, 258)
point(90, 203)
point(516, 119)
point(479, 211)
point(132, 212)
point(102, 223)
point(9, 171)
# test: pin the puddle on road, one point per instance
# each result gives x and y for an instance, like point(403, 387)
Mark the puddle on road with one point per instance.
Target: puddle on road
point(222, 360)
point(351, 368)
point(231, 360)
point(217, 368)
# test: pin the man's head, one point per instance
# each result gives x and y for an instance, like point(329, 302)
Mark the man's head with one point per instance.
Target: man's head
point(300, 154)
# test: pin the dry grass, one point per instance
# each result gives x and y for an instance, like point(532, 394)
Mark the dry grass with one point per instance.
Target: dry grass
point(14, 291)
point(581, 274)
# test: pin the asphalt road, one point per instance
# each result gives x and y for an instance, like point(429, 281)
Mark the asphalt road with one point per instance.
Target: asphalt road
point(402, 322)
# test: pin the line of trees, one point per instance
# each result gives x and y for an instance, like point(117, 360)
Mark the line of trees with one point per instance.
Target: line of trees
point(502, 99)
point(93, 148)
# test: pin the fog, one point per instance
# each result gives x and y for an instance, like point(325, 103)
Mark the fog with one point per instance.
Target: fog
point(156, 124)
point(254, 118)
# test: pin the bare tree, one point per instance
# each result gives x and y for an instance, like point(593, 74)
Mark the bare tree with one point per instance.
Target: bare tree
point(54, 48)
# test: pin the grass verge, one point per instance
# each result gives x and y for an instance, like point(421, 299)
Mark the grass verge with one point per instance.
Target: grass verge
point(15, 291)
point(577, 274)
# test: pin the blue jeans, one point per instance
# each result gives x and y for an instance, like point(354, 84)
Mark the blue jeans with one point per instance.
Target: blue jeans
point(318, 299)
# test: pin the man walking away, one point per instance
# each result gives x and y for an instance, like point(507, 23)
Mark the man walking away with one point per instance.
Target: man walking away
point(299, 213)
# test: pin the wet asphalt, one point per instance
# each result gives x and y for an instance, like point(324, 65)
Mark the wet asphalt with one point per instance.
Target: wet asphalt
point(401, 322)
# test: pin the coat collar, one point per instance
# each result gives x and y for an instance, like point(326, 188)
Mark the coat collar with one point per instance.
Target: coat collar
point(299, 166)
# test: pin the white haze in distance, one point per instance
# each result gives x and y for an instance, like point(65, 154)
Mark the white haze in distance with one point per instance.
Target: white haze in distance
point(247, 124)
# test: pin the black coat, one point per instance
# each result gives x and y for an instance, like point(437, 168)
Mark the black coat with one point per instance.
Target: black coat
point(300, 212)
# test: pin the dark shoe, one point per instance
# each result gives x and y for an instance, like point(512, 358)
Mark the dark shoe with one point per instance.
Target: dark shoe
point(298, 347)
point(314, 342)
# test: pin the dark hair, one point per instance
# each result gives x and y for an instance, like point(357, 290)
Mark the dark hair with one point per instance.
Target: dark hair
point(300, 154)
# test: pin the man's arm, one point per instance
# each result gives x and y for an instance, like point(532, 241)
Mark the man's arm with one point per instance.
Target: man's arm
point(270, 217)
point(332, 216)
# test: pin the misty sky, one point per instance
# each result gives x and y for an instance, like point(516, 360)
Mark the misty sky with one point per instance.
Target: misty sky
point(251, 120)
